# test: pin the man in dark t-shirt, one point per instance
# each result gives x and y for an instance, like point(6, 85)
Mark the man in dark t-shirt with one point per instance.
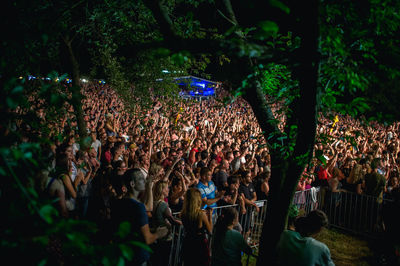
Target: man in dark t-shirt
point(130, 210)
point(221, 177)
point(133, 212)
point(248, 194)
point(247, 190)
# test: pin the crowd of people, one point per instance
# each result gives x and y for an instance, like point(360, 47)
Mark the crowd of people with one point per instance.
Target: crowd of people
point(146, 166)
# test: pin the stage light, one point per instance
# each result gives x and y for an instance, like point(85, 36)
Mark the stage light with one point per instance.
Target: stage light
point(199, 84)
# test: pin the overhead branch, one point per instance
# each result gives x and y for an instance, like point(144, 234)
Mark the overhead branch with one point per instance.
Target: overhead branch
point(162, 17)
point(230, 13)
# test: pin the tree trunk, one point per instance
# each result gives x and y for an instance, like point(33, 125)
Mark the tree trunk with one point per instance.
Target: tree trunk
point(76, 93)
point(286, 172)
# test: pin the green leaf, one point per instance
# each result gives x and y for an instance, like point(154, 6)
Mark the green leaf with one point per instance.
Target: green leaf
point(141, 245)
point(269, 27)
point(28, 155)
point(45, 38)
point(43, 262)
point(121, 261)
point(18, 154)
point(2, 171)
point(11, 103)
point(280, 5)
point(162, 52)
point(320, 156)
point(87, 141)
point(106, 261)
point(124, 229)
point(33, 192)
point(127, 251)
point(17, 90)
point(47, 212)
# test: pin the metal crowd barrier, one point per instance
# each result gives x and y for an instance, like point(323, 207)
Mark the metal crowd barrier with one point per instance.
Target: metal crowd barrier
point(251, 222)
point(360, 214)
point(348, 211)
point(307, 200)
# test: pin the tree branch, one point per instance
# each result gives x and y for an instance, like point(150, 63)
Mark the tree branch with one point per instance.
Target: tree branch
point(262, 111)
point(164, 21)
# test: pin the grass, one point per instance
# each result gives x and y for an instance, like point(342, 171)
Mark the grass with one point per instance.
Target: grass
point(345, 249)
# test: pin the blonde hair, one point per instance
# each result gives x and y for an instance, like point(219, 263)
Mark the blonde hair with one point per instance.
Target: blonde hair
point(191, 209)
point(154, 169)
point(356, 174)
point(158, 190)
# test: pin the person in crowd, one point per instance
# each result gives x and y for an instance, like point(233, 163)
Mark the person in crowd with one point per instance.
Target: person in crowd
point(355, 180)
point(84, 187)
point(375, 182)
point(106, 156)
point(110, 126)
point(392, 184)
point(197, 225)
point(129, 209)
point(248, 193)
point(297, 245)
point(228, 244)
point(194, 151)
point(231, 195)
point(94, 161)
point(209, 193)
point(203, 160)
point(116, 177)
point(96, 144)
point(177, 192)
point(71, 179)
point(162, 217)
point(221, 176)
point(261, 185)
point(55, 186)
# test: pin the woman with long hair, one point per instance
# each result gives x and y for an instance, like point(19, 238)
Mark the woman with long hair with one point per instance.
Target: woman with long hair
point(162, 216)
point(228, 244)
point(196, 223)
point(55, 187)
point(161, 211)
point(355, 179)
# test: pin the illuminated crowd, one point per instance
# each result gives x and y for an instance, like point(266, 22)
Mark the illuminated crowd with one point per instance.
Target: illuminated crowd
point(145, 165)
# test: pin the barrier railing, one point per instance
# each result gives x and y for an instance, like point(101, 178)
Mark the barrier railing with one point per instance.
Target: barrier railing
point(307, 200)
point(361, 214)
point(349, 211)
point(250, 225)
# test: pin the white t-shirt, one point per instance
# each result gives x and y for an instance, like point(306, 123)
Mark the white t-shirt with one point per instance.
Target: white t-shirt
point(74, 171)
point(75, 148)
point(96, 144)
